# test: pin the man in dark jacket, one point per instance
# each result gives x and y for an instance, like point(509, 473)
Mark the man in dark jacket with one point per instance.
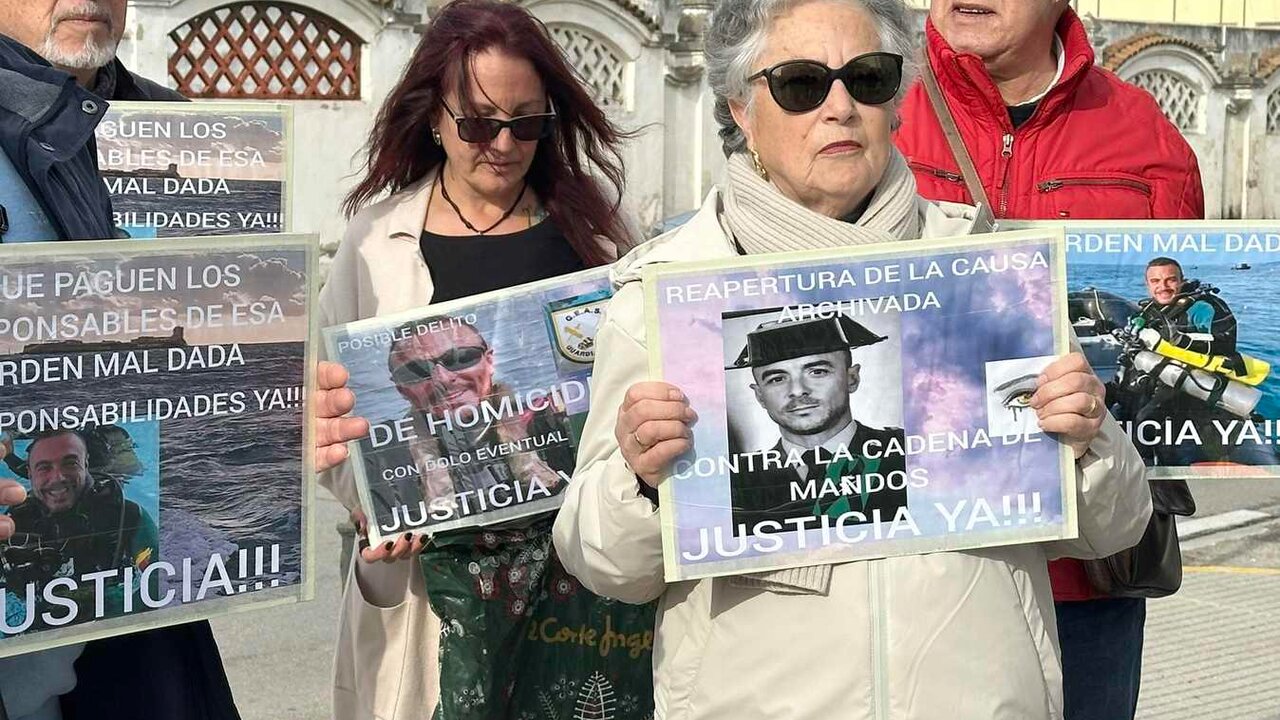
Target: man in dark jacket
point(51, 190)
point(1052, 136)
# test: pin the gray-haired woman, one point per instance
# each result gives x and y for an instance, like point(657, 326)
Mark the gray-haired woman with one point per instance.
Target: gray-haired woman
point(806, 92)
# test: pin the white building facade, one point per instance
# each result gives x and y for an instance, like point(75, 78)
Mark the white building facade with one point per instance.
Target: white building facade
point(335, 61)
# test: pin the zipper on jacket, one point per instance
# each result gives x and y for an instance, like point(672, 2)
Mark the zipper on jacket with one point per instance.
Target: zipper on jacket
point(1007, 154)
point(879, 648)
point(1049, 186)
point(936, 172)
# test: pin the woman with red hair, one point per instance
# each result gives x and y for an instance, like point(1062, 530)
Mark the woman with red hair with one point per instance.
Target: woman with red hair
point(498, 170)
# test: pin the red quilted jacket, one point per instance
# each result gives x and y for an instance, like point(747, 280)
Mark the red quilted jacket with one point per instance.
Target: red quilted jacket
point(1096, 147)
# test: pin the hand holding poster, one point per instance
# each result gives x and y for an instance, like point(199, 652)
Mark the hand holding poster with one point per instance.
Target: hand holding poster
point(475, 405)
point(179, 169)
point(1178, 319)
point(151, 402)
point(862, 405)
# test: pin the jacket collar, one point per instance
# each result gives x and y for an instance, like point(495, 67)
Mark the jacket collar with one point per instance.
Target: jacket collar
point(964, 77)
point(29, 86)
point(408, 211)
point(701, 238)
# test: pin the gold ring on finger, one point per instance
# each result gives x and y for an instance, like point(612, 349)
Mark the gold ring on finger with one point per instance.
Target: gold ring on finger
point(639, 444)
point(1093, 406)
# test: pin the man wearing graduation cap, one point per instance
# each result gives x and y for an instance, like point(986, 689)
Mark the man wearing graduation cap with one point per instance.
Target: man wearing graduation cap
point(804, 373)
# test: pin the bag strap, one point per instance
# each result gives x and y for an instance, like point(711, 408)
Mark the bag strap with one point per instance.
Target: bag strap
point(948, 122)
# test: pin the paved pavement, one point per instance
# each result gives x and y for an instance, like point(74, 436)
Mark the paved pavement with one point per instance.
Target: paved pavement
point(280, 660)
point(1212, 650)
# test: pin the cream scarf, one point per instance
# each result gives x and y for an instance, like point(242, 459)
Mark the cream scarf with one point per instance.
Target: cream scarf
point(761, 220)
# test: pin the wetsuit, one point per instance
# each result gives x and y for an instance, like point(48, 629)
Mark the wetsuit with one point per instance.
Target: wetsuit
point(1200, 321)
point(104, 531)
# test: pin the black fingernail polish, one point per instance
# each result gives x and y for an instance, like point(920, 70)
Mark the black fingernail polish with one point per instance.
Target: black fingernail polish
point(390, 545)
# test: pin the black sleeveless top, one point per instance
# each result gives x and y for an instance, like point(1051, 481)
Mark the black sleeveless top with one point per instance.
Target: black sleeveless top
point(468, 265)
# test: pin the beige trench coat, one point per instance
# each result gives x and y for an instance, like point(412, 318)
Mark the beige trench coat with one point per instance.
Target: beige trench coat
point(387, 648)
point(386, 660)
point(958, 635)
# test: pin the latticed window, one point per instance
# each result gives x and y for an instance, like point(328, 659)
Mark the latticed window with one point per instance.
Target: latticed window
point(596, 60)
point(1273, 113)
point(265, 50)
point(1178, 98)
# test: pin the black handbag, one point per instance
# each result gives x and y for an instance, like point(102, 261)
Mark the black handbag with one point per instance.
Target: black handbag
point(1153, 567)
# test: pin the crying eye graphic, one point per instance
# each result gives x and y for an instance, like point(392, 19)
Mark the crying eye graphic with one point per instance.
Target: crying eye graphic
point(1015, 395)
point(1017, 402)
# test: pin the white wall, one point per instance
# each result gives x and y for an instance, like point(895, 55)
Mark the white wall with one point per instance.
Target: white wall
point(677, 157)
point(1264, 168)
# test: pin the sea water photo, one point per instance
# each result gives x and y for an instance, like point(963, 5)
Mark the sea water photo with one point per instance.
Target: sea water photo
point(1179, 321)
point(183, 169)
point(151, 402)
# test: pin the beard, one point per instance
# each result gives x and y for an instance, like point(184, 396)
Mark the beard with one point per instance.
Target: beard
point(94, 52)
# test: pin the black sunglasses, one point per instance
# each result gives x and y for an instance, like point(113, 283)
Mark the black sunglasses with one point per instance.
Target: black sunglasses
point(525, 128)
point(802, 85)
point(453, 360)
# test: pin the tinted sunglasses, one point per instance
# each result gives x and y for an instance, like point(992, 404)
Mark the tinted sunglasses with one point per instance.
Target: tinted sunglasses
point(802, 85)
point(453, 360)
point(525, 128)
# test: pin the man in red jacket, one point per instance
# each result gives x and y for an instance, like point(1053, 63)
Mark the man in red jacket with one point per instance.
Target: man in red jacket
point(1052, 136)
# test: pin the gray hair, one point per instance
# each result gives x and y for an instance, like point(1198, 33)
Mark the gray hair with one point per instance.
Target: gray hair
point(736, 39)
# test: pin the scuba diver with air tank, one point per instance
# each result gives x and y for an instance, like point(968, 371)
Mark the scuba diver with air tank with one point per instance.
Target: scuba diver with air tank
point(1172, 360)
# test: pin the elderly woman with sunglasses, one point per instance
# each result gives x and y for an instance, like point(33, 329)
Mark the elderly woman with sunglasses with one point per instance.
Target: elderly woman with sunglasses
point(806, 94)
point(490, 153)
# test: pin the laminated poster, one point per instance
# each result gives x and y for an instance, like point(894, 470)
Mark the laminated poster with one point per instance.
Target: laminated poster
point(151, 402)
point(1179, 320)
point(862, 402)
point(475, 405)
point(183, 169)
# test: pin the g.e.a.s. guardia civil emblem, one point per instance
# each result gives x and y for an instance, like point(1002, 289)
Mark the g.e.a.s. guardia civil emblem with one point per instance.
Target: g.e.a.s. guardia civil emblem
point(574, 322)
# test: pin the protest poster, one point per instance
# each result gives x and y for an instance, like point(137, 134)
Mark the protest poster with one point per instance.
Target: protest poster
point(151, 400)
point(475, 405)
point(1179, 319)
point(861, 402)
point(184, 169)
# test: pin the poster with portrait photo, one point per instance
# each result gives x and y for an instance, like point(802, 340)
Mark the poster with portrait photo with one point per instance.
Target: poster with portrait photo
point(1178, 319)
point(183, 169)
point(151, 402)
point(844, 412)
point(476, 405)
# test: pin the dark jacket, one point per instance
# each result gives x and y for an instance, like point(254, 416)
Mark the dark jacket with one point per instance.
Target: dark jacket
point(47, 123)
point(115, 82)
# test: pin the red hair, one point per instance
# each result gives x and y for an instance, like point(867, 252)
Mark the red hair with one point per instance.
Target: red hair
point(400, 150)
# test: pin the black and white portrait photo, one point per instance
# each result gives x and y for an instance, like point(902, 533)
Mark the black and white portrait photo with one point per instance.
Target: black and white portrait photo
point(815, 414)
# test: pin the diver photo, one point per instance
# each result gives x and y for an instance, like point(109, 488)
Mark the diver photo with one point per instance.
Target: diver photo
point(1178, 320)
point(151, 406)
